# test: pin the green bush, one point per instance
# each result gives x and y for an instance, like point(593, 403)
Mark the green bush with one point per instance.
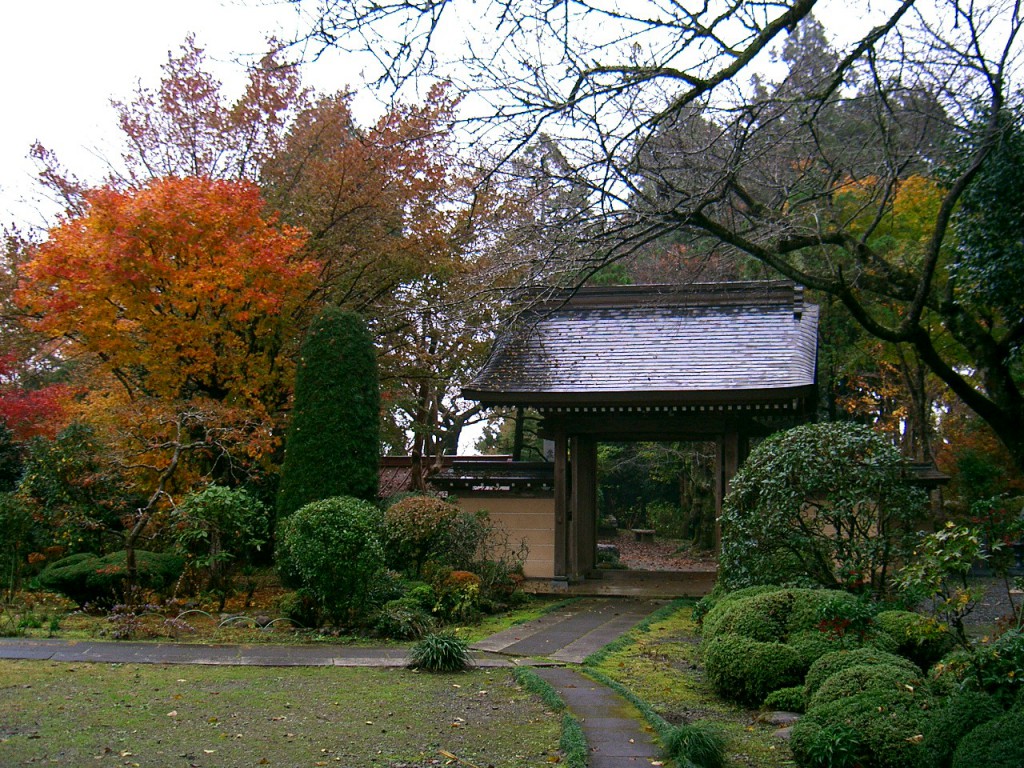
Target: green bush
point(440, 652)
point(996, 744)
point(922, 640)
point(415, 530)
point(832, 746)
point(100, 581)
point(424, 595)
point(808, 507)
point(774, 613)
point(720, 598)
point(883, 729)
point(331, 548)
point(18, 533)
point(786, 699)
point(667, 519)
point(218, 528)
point(760, 617)
point(957, 716)
point(865, 678)
point(300, 608)
point(798, 617)
point(403, 619)
point(696, 744)
point(333, 443)
point(465, 541)
point(831, 663)
point(458, 596)
point(997, 668)
point(746, 670)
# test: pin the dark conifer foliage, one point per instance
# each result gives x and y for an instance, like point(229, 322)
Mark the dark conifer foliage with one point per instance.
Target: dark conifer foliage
point(333, 441)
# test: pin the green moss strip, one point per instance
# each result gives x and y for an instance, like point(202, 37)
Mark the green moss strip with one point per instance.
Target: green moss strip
point(573, 742)
point(644, 626)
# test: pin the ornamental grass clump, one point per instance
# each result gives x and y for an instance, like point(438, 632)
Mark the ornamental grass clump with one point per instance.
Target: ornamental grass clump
point(441, 652)
point(695, 745)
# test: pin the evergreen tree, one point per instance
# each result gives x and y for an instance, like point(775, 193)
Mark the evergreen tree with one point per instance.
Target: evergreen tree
point(333, 443)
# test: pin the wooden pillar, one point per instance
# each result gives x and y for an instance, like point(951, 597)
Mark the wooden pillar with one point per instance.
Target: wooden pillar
point(583, 547)
point(562, 506)
point(727, 460)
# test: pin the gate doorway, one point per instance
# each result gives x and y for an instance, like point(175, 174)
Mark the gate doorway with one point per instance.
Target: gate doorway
point(718, 364)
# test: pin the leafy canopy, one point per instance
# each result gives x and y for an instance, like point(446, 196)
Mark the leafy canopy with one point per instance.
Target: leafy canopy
point(822, 504)
point(182, 287)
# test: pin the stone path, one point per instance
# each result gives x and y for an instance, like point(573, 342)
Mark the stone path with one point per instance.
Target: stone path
point(615, 732)
point(573, 633)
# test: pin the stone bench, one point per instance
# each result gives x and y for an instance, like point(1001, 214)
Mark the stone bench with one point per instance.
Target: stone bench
point(644, 534)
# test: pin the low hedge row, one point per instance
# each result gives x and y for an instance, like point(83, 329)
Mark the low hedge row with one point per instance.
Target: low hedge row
point(860, 679)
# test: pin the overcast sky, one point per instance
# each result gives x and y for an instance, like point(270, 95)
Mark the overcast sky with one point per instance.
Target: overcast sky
point(64, 60)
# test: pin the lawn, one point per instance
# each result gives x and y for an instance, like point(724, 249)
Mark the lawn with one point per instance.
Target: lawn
point(165, 716)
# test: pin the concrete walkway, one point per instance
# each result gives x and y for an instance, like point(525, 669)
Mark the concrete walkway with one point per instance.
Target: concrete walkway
point(615, 732)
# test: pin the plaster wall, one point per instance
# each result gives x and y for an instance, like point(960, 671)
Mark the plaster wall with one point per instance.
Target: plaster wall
point(529, 518)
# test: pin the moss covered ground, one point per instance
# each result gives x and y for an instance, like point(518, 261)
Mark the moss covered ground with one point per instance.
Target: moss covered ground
point(658, 664)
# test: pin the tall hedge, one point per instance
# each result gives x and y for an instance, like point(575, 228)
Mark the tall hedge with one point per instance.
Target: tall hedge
point(333, 442)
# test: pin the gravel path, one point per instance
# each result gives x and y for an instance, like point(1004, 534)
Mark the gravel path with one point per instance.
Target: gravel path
point(995, 605)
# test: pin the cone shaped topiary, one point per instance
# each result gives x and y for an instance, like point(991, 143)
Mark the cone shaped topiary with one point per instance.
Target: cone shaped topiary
point(333, 443)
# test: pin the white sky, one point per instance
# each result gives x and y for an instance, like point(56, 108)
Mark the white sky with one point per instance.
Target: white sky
point(64, 60)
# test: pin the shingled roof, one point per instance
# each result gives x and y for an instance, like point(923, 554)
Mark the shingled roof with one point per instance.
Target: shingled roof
point(656, 345)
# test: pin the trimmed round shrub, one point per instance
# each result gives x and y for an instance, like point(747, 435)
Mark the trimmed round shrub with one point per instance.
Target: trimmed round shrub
point(403, 619)
point(865, 678)
point(922, 640)
point(746, 671)
point(821, 504)
point(813, 644)
point(957, 716)
point(719, 599)
point(786, 699)
point(331, 549)
point(832, 663)
point(800, 617)
point(415, 529)
point(760, 617)
point(441, 652)
point(719, 596)
point(884, 729)
point(100, 581)
point(996, 744)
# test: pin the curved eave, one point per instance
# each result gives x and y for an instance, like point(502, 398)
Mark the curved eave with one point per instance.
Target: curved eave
point(593, 398)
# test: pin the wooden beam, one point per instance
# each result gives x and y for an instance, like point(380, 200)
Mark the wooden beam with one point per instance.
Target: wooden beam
point(562, 490)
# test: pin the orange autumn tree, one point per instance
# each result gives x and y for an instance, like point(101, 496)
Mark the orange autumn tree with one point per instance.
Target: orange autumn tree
point(176, 297)
point(180, 289)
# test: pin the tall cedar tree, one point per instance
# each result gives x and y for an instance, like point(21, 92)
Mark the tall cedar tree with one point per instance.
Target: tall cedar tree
point(333, 443)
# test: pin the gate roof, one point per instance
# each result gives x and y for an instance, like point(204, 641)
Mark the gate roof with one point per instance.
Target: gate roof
point(714, 343)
